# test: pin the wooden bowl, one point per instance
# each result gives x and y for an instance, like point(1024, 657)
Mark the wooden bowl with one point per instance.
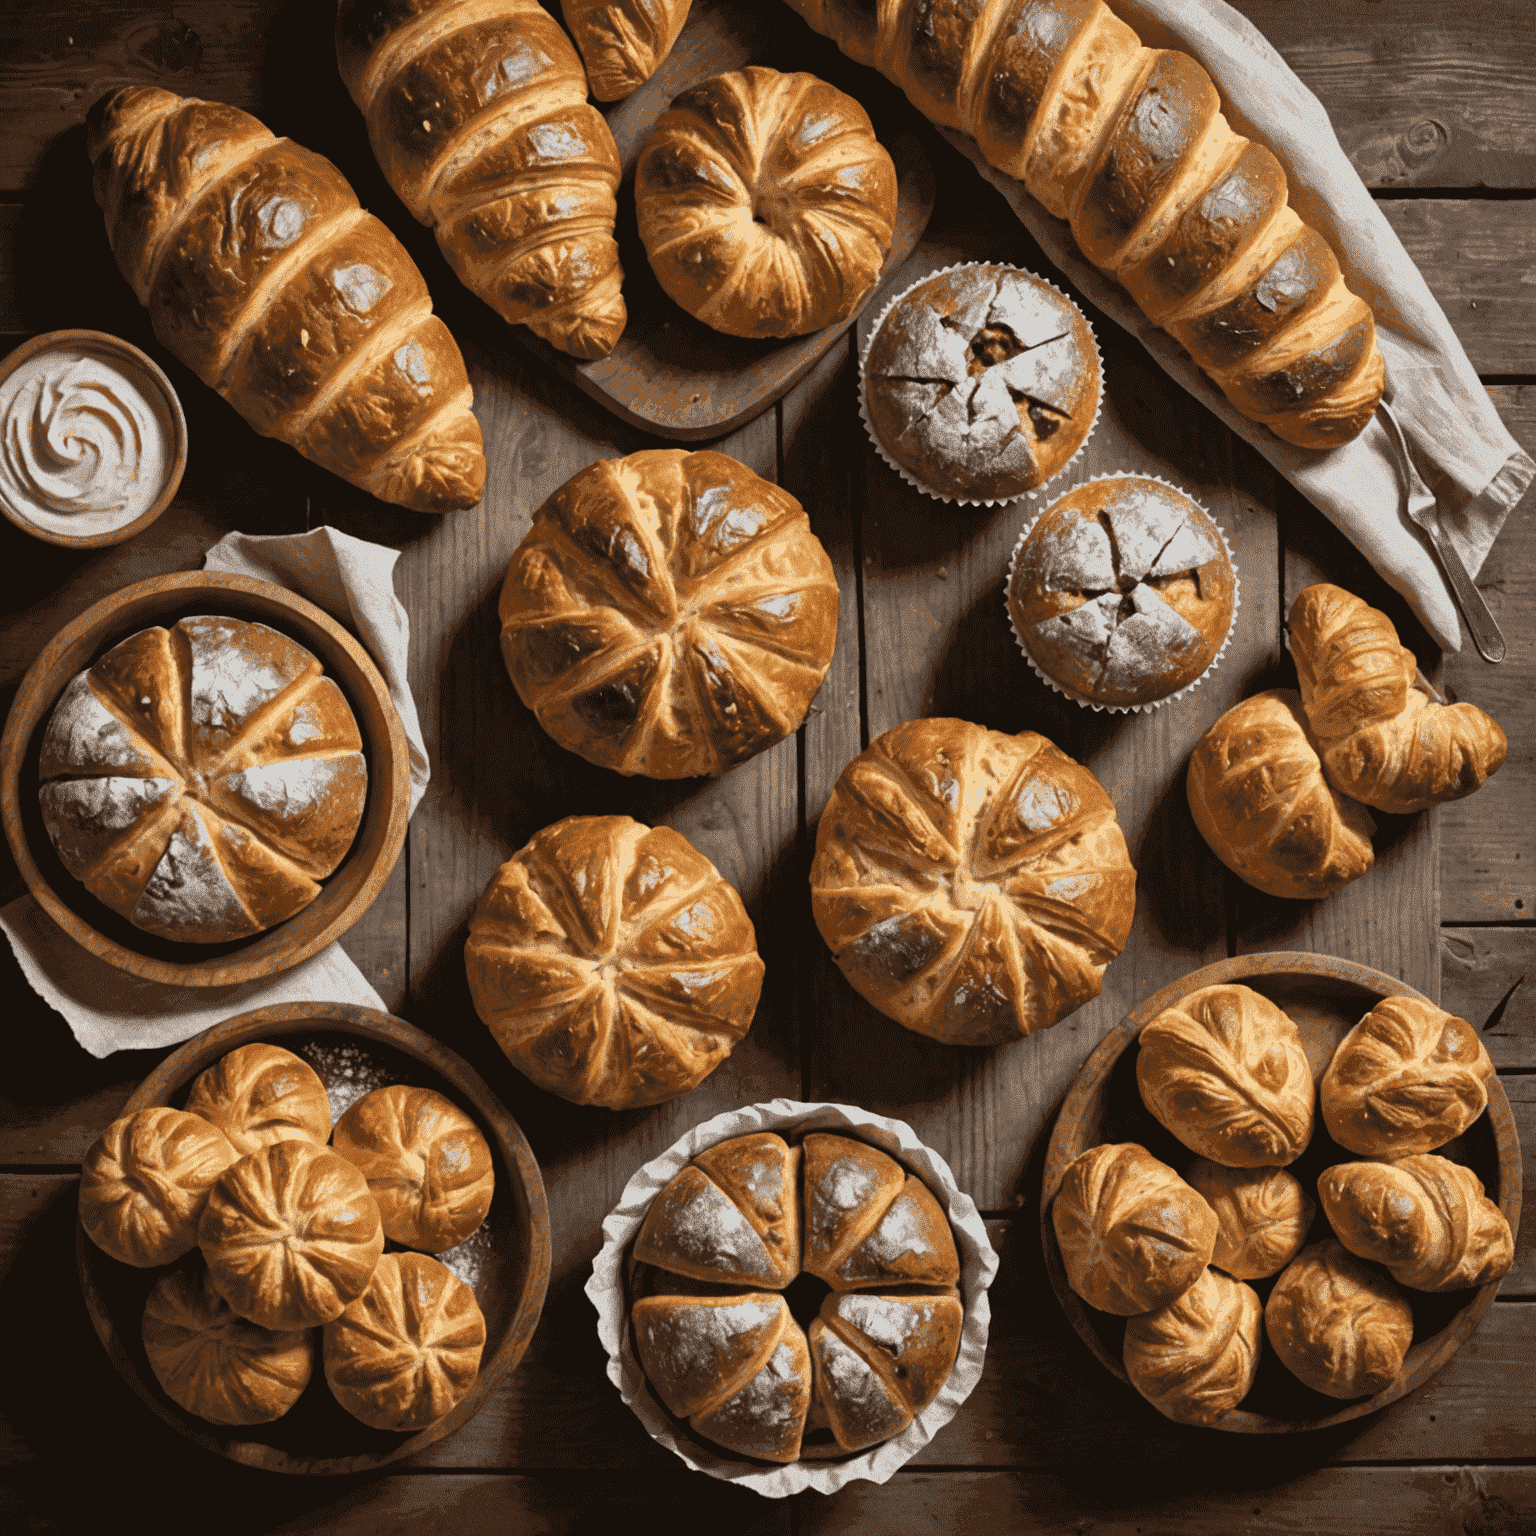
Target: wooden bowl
point(1326, 997)
point(506, 1262)
point(343, 898)
point(104, 342)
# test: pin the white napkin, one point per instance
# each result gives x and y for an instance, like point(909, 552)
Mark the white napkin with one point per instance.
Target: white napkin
point(1462, 449)
point(107, 1009)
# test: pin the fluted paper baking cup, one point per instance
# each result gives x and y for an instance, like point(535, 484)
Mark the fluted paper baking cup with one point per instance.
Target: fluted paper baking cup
point(609, 1294)
point(901, 469)
point(1072, 693)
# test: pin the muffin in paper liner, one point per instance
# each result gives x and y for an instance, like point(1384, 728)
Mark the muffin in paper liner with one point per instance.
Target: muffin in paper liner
point(901, 469)
point(608, 1291)
point(1071, 693)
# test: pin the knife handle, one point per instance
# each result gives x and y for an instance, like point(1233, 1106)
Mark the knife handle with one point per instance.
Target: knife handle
point(1481, 624)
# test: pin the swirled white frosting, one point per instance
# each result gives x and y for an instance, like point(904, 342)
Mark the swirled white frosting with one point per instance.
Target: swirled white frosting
point(87, 441)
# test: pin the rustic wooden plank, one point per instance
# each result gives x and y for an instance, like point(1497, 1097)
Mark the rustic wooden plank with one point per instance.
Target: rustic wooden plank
point(1488, 977)
point(1521, 1279)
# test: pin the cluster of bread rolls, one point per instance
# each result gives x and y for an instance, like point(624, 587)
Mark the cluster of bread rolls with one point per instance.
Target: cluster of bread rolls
point(290, 1234)
point(1279, 785)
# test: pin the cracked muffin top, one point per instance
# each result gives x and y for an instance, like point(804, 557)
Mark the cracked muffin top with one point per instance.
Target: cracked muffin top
point(1123, 591)
point(981, 383)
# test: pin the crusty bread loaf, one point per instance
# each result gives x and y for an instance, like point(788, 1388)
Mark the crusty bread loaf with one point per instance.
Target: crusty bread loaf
point(1130, 146)
point(477, 112)
point(264, 276)
point(622, 41)
point(1262, 1215)
point(765, 202)
point(200, 781)
point(260, 1093)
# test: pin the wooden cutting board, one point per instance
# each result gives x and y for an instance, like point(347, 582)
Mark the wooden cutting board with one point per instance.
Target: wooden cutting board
point(671, 374)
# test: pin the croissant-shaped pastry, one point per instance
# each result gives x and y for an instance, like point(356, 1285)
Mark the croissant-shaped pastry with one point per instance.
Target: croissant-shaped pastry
point(1384, 738)
point(264, 276)
point(623, 41)
point(1129, 144)
point(1424, 1217)
point(477, 111)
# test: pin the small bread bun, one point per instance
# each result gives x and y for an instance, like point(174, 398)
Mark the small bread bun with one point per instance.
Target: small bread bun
point(259, 1094)
point(1263, 1215)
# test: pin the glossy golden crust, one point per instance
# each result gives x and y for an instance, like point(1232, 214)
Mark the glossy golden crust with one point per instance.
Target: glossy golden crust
point(972, 886)
point(669, 614)
point(612, 963)
point(1262, 1214)
point(765, 203)
point(623, 41)
point(259, 1094)
point(264, 276)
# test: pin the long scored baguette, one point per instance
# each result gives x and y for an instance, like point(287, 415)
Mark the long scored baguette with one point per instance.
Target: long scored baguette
point(1130, 146)
point(477, 111)
point(264, 276)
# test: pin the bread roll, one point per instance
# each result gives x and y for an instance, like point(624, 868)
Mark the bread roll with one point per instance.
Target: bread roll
point(1258, 795)
point(623, 41)
point(1133, 1235)
point(201, 781)
point(264, 276)
point(408, 1349)
point(1262, 1216)
point(259, 1094)
point(215, 1364)
point(291, 1235)
point(1339, 1324)
point(426, 1163)
point(1383, 736)
point(145, 1181)
point(1195, 1359)
point(972, 886)
point(612, 963)
point(1424, 1217)
point(1407, 1078)
point(1225, 1072)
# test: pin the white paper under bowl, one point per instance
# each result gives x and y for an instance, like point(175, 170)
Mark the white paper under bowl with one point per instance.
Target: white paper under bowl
point(609, 1293)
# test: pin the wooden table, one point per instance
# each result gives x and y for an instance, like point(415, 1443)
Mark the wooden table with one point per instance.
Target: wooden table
point(1437, 107)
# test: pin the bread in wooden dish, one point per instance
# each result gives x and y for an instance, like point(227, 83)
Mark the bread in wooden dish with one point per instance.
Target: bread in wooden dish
point(1262, 1215)
point(1195, 1358)
point(291, 1235)
point(1406, 1079)
point(264, 276)
point(1223, 1069)
point(1425, 1218)
point(407, 1350)
point(669, 614)
point(213, 1362)
point(258, 1094)
point(426, 1163)
point(972, 886)
point(145, 1181)
point(623, 41)
point(1129, 145)
point(1339, 1324)
point(1132, 1234)
point(1384, 737)
point(765, 202)
point(1258, 795)
point(478, 115)
point(1123, 592)
point(981, 382)
point(202, 780)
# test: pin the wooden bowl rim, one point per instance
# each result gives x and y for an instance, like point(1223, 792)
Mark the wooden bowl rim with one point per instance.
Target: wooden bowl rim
point(41, 687)
point(1097, 1069)
point(273, 1022)
point(107, 342)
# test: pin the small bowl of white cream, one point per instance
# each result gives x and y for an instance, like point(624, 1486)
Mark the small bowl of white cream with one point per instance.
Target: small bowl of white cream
point(93, 441)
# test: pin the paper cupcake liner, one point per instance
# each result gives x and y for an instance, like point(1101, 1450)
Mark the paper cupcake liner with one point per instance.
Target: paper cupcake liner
point(1072, 693)
point(608, 1293)
point(901, 469)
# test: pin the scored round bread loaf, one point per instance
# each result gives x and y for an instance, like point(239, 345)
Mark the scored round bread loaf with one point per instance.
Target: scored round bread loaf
point(202, 780)
point(1407, 1078)
point(669, 614)
point(145, 1181)
point(972, 886)
point(612, 963)
point(258, 1094)
point(213, 1362)
point(1262, 1215)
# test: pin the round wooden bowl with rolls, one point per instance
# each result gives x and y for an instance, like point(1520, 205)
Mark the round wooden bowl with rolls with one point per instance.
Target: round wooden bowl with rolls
point(505, 1261)
point(1326, 997)
point(346, 893)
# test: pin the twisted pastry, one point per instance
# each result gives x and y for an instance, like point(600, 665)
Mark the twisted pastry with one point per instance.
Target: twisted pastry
point(623, 41)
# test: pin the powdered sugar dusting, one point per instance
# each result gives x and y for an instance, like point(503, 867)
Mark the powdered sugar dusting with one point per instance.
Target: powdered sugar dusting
point(468, 1261)
point(885, 1320)
point(843, 1187)
point(84, 736)
point(709, 1231)
point(899, 1233)
point(189, 889)
point(289, 789)
point(85, 816)
point(696, 1339)
point(229, 683)
point(348, 1073)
